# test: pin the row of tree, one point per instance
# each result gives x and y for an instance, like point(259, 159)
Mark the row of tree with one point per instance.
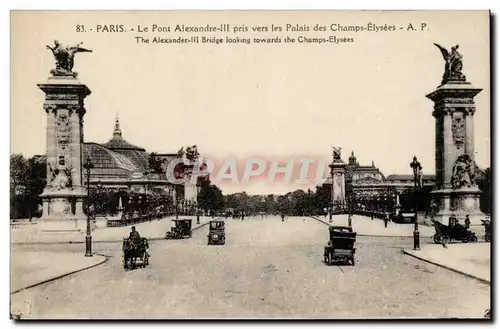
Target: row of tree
point(28, 179)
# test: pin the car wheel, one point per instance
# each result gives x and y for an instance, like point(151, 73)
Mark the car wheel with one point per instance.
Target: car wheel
point(437, 238)
point(472, 238)
point(445, 239)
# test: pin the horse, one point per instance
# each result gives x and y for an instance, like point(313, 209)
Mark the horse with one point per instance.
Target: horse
point(132, 251)
point(129, 253)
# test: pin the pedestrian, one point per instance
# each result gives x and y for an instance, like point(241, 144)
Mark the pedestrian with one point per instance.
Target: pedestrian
point(371, 215)
point(467, 222)
point(386, 220)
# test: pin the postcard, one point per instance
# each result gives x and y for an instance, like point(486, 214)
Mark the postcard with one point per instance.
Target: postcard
point(250, 165)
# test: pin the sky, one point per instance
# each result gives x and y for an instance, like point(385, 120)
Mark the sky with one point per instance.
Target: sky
point(241, 101)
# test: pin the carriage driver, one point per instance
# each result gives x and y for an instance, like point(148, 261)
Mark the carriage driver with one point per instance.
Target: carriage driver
point(134, 237)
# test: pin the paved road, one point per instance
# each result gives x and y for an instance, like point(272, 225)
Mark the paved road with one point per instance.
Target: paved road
point(267, 269)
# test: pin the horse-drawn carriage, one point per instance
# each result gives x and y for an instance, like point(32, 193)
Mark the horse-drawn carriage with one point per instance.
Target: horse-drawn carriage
point(181, 229)
point(216, 233)
point(454, 231)
point(134, 250)
point(340, 247)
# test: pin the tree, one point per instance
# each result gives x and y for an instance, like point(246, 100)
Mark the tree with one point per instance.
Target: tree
point(36, 182)
point(27, 181)
point(270, 204)
point(18, 169)
point(154, 163)
point(323, 197)
point(210, 198)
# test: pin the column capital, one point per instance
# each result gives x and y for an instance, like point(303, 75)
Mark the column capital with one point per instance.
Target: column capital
point(49, 108)
point(470, 110)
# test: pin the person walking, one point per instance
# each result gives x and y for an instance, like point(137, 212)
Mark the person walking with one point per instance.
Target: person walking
point(467, 222)
point(386, 220)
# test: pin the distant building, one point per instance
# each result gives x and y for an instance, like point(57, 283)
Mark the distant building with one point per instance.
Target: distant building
point(122, 166)
point(369, 181)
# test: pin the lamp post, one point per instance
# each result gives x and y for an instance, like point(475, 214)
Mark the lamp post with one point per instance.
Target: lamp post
point(417, 168)
point(176, 207)
point(349, 209)
point(198, 189)
point(330, 211)
point(332, 196)
point(88, 237)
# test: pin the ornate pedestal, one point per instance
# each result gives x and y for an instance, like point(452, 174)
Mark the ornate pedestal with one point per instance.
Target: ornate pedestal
point(337, 171)
point(63, 211)
point(64, 194)
point(459, 203)
point(456, 192)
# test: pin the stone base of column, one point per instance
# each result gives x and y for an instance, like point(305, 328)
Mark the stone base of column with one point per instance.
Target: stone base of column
point(459, 203)
point(63, 211)
point(59, 224)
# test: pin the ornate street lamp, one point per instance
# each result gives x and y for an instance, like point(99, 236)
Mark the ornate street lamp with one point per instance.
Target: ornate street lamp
point(417, 168)
point(88, 237)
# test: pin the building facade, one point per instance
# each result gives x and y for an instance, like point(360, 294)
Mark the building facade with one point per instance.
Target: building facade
point(368, 182)
point(122, 166)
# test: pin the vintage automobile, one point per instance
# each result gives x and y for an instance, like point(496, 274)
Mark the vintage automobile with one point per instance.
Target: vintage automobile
point(340, 247)
point(216, 233)
point(404, 218)
point(181, 229)
point(455, 231)
point(132, 252)
point(487, 229)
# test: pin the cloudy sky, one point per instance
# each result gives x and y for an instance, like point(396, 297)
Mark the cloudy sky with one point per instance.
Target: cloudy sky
point(241, 101)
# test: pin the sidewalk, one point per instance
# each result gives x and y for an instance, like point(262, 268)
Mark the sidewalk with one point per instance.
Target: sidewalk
point(365, 226)
point(470, 259)
point(31, 268)
point(153, 230)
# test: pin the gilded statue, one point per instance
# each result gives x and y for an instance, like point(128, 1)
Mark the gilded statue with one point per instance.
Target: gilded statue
point(453, 64)
point(65, 58)
point(192, 153)
point(336, 152)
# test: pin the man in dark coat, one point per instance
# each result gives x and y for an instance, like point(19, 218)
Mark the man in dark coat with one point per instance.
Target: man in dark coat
point(467, 222)
point(135, 237)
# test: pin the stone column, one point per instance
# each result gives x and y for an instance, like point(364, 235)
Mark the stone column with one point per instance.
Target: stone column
point(63, 195)
point(448, 149)
point(75, 159)
point(50, 109)
point(469, 136)
point(337, 167)
point(454, 108)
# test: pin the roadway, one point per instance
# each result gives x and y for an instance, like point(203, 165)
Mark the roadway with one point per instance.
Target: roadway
point(266, 269)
